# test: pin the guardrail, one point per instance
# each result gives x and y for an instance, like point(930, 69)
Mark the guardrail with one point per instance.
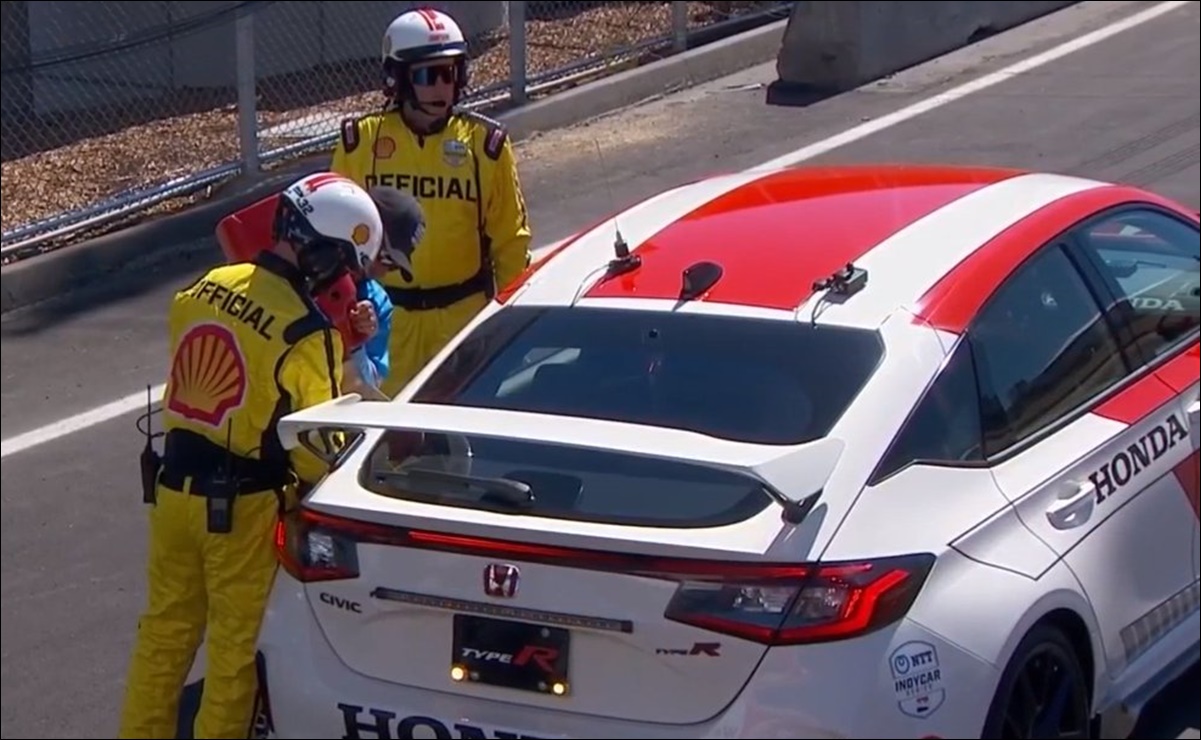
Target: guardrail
point(112, 108)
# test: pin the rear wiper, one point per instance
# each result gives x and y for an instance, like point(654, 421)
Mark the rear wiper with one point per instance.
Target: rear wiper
point(443, 483)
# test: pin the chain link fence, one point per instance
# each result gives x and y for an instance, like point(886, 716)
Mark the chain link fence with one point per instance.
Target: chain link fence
point(115, 108)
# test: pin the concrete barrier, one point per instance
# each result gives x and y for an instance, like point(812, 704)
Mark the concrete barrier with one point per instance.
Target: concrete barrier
point(840, 45)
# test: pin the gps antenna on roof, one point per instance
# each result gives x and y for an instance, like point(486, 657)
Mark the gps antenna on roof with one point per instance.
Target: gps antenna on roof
point(698, 278)
point(624, 261)
point(846, 282)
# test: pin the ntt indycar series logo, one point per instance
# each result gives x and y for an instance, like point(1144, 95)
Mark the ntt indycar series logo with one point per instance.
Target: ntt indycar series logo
point(917, 679)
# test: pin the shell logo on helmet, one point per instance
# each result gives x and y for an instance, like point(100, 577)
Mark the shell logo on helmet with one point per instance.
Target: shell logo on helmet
point(360, 234)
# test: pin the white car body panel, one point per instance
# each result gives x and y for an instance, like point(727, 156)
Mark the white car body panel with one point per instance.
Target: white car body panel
point(917, 508)
point(1001, 541)
point(1190, 411)
point(371, 656)
point(1124, 573)
point(842, 679)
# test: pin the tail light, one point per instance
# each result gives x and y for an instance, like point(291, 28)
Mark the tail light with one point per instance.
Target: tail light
point(827, 602)
point(311, 550)
point(770, 603)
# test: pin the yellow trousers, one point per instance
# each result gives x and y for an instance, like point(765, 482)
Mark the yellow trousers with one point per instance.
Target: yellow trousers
point(419, 335)
point(201, 582)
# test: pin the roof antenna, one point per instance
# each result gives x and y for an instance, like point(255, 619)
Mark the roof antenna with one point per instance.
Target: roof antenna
point(624, 261)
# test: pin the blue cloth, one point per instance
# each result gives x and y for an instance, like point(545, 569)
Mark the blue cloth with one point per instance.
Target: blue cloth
point(377, 347)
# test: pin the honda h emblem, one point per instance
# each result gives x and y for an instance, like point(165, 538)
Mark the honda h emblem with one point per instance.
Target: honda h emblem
point(500, 580)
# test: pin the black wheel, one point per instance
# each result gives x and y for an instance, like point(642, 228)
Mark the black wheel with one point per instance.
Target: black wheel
point(1043, 692)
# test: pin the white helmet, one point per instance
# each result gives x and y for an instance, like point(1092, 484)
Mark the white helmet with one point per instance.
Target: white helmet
point(332, 223)
point(420, 35)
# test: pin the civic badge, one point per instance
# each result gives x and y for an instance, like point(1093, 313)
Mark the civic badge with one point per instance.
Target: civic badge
point(500, 580)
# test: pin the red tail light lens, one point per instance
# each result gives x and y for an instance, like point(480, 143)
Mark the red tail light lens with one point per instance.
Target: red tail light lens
point(312, 551)
point(830, 602)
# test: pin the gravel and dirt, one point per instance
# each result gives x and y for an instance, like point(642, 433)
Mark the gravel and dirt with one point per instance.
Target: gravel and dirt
point(92, 170)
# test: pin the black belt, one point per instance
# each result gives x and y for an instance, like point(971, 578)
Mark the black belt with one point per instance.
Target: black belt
point(208, 485)
point(195, 464)
point(429, 299)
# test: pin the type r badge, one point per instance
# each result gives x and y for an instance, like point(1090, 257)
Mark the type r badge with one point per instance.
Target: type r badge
point(500, 580)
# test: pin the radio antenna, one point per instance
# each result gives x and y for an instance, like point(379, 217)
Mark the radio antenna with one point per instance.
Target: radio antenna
point(150, 461)
point(623, 261)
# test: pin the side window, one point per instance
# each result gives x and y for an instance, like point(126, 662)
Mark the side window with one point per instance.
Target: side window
point(944, 428)
point(1152, 262)
point(1042, 349)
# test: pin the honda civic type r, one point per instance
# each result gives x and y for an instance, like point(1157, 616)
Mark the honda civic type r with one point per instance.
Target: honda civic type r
point(874, 451)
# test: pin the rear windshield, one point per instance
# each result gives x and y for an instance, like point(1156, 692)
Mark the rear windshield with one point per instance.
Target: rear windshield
point(751, 380)
point(562, 482)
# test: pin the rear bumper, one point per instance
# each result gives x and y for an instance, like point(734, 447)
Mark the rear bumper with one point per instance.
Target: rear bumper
point(828, 691)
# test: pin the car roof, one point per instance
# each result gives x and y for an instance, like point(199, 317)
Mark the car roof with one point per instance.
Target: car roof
point(775, 232)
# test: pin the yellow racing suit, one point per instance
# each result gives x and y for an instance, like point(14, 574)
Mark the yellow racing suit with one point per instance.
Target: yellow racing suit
point(477, 233)
point(247, 347)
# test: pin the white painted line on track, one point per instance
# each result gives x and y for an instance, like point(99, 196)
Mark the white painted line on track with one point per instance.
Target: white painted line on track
point(135, 401)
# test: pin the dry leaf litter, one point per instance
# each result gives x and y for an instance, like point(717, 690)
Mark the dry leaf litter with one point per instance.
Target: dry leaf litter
point(44, 184)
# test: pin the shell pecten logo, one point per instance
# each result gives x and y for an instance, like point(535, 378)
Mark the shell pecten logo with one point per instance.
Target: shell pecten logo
point(360, 234)
point(208, 375)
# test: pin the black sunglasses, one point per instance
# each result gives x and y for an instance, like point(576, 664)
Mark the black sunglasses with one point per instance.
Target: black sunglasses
point(433, 75)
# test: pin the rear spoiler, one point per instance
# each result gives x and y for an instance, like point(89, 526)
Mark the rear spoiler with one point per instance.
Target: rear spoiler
point(793, 472)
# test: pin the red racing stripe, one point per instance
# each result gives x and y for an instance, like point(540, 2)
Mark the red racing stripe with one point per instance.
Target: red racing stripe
point(1137, 400)
point(1190, 480)
point(1184, 370)
point(775, 236)
point(955, 299)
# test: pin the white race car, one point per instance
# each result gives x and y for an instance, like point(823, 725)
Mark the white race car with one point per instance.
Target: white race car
point(872, 452)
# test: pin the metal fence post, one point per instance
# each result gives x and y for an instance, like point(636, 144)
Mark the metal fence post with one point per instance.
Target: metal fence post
point(679, 26)
point(517, 49)
point(248, 125)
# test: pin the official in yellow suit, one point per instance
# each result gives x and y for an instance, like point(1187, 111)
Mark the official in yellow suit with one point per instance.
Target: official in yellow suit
point(461, 168)
point(248, 346)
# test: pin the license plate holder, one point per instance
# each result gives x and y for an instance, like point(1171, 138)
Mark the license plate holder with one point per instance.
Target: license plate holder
point(511, 654)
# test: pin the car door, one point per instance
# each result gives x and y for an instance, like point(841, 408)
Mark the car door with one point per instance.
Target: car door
point(1188, 473)
point(1151, 260)
point(1079, 434)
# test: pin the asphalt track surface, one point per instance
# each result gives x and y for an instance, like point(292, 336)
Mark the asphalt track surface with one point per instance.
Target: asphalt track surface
point(73, 526)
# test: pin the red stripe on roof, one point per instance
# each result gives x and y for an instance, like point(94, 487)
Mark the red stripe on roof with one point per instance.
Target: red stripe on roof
point(775, 236)
point(954, 301)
